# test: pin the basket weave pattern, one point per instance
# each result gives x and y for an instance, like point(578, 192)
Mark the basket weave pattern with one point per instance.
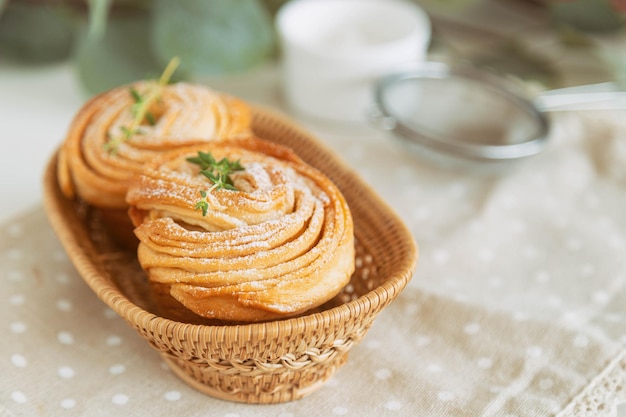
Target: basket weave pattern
point(267, 362)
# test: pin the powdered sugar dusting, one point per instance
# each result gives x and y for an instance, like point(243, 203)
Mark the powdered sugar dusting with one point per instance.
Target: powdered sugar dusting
point(283, 228)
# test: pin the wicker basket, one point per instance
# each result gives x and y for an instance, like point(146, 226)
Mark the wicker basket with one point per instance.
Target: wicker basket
point(267, 362)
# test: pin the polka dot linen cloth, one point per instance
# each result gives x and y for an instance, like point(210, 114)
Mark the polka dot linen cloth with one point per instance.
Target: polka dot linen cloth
point(517, 307)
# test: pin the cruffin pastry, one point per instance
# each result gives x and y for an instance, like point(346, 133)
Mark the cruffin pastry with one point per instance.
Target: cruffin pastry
point(184, 114)
point(279, 245)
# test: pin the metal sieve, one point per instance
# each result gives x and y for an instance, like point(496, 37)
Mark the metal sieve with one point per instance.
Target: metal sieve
point(465, 112)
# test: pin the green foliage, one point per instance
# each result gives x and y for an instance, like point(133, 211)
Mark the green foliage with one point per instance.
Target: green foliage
point(212, 37)
point(35, 33)
point(218, 172)
point(114, 42)
point(202, 204)
point(140, 110)
point(118, 56)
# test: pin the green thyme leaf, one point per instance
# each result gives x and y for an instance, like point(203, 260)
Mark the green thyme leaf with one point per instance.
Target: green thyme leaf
point(140, 109)
point(218, 172)
point(150, 119)
point(202, 204)
point(136, 96)
point(126, 131)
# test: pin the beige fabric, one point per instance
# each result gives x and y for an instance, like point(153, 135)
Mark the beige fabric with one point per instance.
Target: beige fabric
point(517, 307)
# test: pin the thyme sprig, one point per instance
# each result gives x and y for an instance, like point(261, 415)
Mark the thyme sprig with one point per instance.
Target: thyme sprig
point(218, 172)
point(140, 110)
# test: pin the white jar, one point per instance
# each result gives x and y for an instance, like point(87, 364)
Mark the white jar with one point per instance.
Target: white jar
point(334, 50)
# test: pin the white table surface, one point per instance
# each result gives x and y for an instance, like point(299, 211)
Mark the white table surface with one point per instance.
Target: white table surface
point(36, 107)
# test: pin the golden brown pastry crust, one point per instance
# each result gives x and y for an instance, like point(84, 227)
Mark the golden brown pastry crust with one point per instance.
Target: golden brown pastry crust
point(186, 114)
point(279, 246)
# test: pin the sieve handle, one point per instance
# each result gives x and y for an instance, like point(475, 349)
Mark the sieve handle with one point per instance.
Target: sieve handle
point(601, 96)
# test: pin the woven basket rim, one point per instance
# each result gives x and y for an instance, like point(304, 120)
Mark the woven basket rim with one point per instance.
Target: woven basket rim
point(137, 316)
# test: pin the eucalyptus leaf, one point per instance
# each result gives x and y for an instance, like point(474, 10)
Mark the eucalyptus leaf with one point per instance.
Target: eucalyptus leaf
point(37, 33)
point(98, 17)
point(212, 37)
point(120, 55)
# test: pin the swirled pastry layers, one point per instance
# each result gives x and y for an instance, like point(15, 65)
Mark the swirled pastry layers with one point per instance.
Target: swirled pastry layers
point(279, 245)
point(182, 115)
